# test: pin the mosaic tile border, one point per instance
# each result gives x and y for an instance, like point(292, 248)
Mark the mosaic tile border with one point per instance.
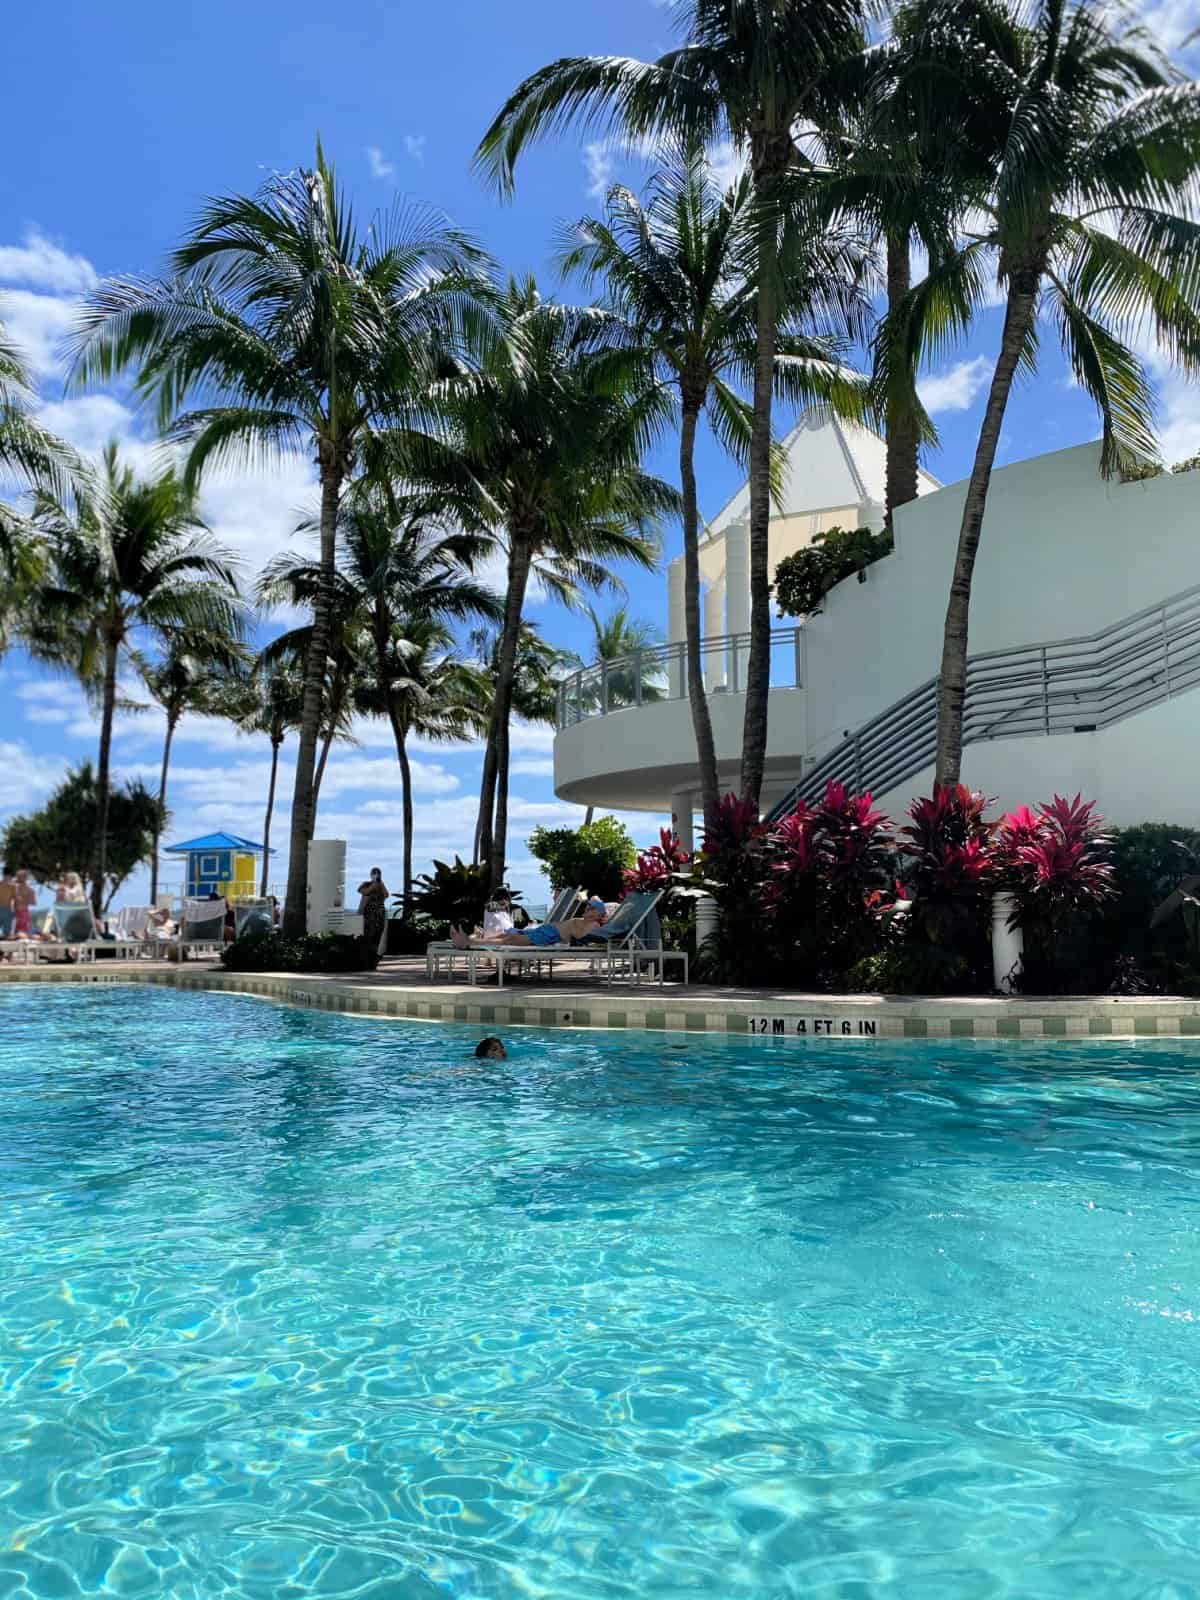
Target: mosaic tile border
point(803, 1017)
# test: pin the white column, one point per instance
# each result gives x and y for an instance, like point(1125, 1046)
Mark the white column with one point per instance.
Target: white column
point(676, 626)
point(714, 626)
point(681, 818)
point(737, 597)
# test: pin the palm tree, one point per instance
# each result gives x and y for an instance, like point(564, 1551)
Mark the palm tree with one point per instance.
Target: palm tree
point(269, 701)
point(400, 577)
point(426, 691)
point(537, 670)
point(30, 458)
point(1089, 220)
point(675, 272)
point(614, 639)
point(757, 71)
point(340, 681)
point(299, 333)
point(542, 453)
point(130, 561)
point(191, 675)
point(910, 156)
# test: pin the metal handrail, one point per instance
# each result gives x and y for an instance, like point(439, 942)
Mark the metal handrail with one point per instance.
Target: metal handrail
point(1076, 685)
point(661, 673)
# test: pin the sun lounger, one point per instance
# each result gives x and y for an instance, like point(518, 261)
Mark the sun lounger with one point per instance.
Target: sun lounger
point(74, 934)
point(618, 946)
point(446, 950)
point(201, 927)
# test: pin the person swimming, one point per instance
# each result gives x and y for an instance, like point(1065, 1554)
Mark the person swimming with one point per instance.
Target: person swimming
point(491, 1049)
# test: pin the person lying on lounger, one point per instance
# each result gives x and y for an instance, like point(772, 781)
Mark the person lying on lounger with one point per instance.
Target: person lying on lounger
point(542, 933)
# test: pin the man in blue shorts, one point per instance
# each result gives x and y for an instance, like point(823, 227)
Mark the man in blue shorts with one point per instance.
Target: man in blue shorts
point(542, 933)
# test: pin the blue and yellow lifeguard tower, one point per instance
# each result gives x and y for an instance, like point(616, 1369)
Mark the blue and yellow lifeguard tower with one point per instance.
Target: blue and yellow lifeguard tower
point(220, 863)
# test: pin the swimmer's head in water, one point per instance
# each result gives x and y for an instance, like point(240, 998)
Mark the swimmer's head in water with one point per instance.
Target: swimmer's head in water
point(490, 1049)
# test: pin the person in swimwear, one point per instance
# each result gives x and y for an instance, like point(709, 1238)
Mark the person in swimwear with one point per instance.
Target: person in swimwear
point(542, 933)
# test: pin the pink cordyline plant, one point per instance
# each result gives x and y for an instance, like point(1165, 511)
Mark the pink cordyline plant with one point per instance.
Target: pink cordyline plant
point(657, 866)
point(1055, 862)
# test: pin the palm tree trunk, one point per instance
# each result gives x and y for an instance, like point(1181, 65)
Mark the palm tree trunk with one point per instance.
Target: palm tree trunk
point(902, 439)
point(266, 839)
point(493, 808)
point(407, 805)
point(103, 786)
point(706, 750)
point(320, 773)
point(952, 685)
point(295, 906)
point(758, 666)
point(162, 801)
point(588, 814)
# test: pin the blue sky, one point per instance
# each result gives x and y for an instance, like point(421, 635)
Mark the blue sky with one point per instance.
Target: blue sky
point(130, 115)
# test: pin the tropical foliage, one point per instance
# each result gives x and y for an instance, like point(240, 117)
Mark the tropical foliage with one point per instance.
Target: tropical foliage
point(803, 579)
point(64, 834)
point(128, 563)
point(280, 327)
point(594, 857)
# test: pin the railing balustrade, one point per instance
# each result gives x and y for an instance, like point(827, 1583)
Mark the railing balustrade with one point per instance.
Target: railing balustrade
point(1065, 686)
point(661, 673)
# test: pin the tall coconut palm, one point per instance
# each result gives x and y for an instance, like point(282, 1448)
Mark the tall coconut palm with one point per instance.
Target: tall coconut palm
point(297, 332)
point(542, 451)
point(675, 271)
point(426, 691)
point(269, 701)
point(758, 71)
point(401, 575)
point(539, 667)
point(1089, 221)
point(340, 681)
point(131, 562)
point(190, 675)
point(30, 458)
point(910, 156)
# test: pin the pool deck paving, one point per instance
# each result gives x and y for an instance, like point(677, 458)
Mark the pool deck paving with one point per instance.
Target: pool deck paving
point(400, 988)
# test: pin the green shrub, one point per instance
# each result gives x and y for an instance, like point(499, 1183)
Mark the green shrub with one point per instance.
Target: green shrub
point(313, 952)
point(594, 857)
point(452, 894)
point(804, 579)
point(410, 936)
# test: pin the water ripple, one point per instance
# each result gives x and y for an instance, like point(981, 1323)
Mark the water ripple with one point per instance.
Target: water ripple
point(304, 1306)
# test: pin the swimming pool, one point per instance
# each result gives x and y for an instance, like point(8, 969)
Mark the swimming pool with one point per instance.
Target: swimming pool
point(296, 1304)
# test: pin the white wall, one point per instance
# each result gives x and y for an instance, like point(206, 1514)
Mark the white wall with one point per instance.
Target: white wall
point(1145, 769)
point(1063, 552)
point(637, 757)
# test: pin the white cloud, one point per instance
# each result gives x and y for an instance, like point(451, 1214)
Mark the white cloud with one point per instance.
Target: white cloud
point(379, 167)
point(37, 324)
point(25, 776)
point(414, 143)
point(956, 388)
point(728, 162)
point(598, 159)
point(46, 265)
point(1171, 21)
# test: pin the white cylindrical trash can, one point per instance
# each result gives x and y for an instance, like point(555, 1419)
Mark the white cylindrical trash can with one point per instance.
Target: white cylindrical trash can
point(326, 884)
point(707, 917)
point(1008, 944)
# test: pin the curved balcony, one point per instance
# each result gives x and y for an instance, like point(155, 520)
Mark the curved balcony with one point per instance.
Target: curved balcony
point(625, 734)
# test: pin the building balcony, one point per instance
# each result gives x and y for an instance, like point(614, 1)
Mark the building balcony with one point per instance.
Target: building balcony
point(625, 736)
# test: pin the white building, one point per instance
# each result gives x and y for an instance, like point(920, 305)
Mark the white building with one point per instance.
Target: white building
point(1085, 647)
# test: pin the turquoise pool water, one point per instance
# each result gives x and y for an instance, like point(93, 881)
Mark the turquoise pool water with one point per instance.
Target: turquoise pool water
point(298, 1305)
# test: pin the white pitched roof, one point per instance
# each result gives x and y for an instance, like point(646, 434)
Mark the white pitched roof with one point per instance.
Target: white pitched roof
point(829, 463)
